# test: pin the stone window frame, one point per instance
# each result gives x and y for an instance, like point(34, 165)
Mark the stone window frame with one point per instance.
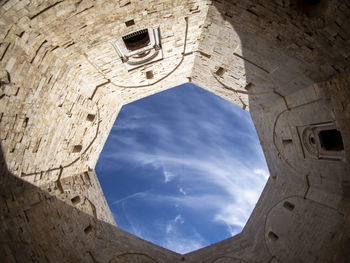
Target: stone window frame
point(312, 144)
point(135, 58)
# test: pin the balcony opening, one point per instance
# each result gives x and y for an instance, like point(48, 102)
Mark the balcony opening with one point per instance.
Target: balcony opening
point(331, 140)
point(137, 40)
point(182, 168)
point(139, 48)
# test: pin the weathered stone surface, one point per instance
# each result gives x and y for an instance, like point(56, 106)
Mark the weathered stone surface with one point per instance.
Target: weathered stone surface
point(63, 84)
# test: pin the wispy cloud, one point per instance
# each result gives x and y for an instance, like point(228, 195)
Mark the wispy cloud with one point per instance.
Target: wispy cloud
point(262, 172)
point(203, 154)
point(182, 191)
point(168, 176)
point(183, 245)
point(139, 194)
point(179, 218)
point(176, 241)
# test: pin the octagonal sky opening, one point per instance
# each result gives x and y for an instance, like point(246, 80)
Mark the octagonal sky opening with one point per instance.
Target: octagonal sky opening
point(182, 169)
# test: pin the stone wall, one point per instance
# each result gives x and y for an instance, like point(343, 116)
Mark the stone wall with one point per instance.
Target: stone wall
point(67, 83)
point(63, 84)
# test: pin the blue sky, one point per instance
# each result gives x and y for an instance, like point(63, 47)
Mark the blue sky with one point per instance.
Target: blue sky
point(182, 168)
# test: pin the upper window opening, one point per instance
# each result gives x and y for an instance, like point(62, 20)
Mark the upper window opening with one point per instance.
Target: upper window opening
point(331, 140)
point(322, 141)
point(137, 40)
point(139, 48)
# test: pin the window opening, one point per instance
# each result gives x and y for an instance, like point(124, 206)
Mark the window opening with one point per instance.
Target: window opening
point(139, 48)
point(331, 140)
point(322, 141)
point(137, 40)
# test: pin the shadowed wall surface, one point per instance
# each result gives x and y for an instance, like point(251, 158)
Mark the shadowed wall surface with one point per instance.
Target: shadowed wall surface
point(62, 85)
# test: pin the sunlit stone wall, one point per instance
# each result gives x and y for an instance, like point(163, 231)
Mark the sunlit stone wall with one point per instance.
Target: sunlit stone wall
point(63, 84)
point(58, 67)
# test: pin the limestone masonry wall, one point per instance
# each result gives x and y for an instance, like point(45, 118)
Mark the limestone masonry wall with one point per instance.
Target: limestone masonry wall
point(63, 85)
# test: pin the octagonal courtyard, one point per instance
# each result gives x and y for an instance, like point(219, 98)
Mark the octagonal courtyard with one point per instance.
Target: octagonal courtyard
point(182, 168)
